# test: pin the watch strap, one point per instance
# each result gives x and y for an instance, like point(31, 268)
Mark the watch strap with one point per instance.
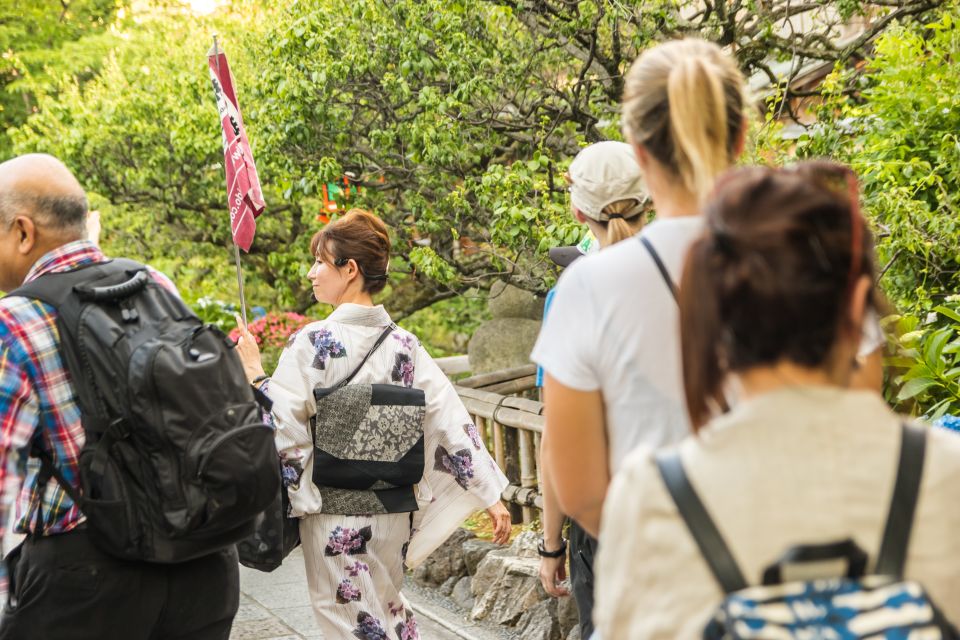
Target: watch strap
point(559, 553)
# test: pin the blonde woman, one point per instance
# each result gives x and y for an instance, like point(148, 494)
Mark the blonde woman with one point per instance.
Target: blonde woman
point(610, 345)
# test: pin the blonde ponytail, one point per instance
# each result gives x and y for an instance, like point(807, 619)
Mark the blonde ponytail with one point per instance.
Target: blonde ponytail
point(620, 228)
point(684, 103)
point(698, 124)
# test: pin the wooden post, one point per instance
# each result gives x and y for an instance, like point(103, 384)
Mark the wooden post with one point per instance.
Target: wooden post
point(511, 452)
point(528, 469)
point(498, 447)
point(536, 457)
point(482, 430)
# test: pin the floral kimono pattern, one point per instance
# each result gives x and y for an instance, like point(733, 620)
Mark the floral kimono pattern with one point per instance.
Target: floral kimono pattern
point(355, 564)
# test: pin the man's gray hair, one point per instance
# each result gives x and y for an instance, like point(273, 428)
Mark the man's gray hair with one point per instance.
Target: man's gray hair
point(63, 212)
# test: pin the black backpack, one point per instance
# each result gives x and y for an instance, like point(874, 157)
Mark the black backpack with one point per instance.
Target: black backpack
point(178, 461)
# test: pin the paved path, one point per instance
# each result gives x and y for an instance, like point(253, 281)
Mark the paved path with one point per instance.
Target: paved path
point(276, 606)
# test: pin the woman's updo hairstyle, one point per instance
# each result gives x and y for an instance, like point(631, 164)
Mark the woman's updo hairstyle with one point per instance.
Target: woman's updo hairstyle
point(361, 236)
point(771, 278)
point(684, 102)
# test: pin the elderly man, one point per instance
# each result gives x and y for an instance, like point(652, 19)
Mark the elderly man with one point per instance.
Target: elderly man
point(62, 586)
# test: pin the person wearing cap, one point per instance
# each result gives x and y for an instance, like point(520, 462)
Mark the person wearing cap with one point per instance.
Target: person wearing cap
point(607, 194)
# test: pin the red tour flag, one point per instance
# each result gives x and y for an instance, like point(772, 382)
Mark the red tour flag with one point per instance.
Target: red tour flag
point(244, 198)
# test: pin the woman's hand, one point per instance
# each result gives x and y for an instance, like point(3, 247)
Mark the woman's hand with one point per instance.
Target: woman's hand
point(553, 571)
point(501, 522)
point(249, 352)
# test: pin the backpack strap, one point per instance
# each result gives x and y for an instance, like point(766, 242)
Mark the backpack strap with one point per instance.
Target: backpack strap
point(48, 469)
point(903, 504)
point(60, 290)
point(56, 289)
point(376, 345)
point(714, 549)
point(662, 268)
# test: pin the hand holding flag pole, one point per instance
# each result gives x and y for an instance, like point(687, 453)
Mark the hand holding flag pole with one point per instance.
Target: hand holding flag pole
point(244, 197)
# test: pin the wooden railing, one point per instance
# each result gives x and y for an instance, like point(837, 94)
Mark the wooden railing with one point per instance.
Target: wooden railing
point(510, 424)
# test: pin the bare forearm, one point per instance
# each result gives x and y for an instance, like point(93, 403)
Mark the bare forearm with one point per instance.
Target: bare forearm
point(576, 456)
point(553, 517)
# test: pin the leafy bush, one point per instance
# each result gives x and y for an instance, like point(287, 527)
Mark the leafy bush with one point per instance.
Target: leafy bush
point(898, 128)
point(924, 372)
point(216, 312)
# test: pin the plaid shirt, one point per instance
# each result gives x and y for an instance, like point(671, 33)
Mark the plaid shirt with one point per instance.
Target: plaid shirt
point(37, 401)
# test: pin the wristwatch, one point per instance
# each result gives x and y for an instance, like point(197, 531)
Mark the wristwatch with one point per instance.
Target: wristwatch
point(559, 553)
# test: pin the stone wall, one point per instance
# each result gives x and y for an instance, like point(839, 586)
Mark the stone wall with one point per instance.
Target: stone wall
point(500, 584)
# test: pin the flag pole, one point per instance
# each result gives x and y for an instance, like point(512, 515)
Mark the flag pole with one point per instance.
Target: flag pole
point(236, 248)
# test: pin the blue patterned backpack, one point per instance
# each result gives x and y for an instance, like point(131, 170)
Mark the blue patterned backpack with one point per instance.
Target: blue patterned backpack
point(881, 605)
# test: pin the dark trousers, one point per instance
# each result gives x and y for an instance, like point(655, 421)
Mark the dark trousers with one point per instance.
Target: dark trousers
point(64, 588)
point(583, 548)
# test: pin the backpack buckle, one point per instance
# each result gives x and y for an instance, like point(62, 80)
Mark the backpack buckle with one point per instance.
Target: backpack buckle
point(119, 429)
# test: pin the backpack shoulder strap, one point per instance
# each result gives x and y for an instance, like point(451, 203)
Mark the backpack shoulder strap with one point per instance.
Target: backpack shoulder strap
point(704, 531)
point(56, 289)
point(662, 268)
point(376, 345)
point(903, 504)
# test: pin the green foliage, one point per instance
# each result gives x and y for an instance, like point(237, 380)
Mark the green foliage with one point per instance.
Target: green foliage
point(216, 312)
point(899, 130)
point(42, 40)
point(143, 138)
point(924, 371)
point(457, 118)
point(426, 261)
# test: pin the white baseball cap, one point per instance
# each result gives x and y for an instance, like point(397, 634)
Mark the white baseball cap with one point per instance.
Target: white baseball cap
point(603, 173)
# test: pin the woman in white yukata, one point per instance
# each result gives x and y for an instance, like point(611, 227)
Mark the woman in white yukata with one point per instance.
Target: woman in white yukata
point(355, 563)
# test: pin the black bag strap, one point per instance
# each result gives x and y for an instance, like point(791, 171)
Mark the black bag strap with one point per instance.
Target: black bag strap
point(48, 469)
point(662, 268)
point(705, 533)
point(376, 345)
point(841, 550)
point(903, 504)
point(896, 536)
point(56, 289)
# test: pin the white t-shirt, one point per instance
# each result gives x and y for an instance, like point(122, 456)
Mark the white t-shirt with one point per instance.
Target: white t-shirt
point(613, 327)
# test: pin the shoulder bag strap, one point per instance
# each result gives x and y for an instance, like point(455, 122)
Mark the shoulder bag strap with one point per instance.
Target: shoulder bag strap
point(662, 268)
point(711, 544)
point(903, 505)
point(49, 469)
point(376, 345)
point(56, 288)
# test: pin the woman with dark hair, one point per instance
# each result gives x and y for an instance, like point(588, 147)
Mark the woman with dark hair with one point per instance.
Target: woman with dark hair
point(772, 303)
point(356, 542)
